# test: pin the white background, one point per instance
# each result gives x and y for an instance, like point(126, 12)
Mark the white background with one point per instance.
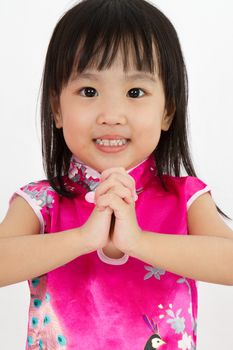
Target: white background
point(205, 29)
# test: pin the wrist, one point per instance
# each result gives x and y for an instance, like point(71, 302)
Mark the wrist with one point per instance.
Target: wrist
point(136, 248)
point(82, 241)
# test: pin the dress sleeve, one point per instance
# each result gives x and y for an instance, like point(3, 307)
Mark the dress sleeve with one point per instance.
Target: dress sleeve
point(40, 196)
point(194, 188)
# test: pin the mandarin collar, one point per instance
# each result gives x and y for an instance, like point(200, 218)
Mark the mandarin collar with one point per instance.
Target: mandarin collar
point(84, 179)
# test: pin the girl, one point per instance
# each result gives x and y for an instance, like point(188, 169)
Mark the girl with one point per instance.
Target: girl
point(114, 205)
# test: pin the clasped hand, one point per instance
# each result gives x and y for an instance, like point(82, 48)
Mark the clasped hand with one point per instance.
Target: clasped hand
point(116, 195)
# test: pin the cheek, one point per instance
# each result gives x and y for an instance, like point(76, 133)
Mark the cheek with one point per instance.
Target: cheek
point(149, 129)
point(76, 130)
point(73, 121)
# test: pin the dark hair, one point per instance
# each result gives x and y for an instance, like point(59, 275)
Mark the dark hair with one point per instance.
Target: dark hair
point(89, 35)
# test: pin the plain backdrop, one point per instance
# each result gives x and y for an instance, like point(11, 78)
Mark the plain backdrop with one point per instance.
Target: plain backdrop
point(205, 29)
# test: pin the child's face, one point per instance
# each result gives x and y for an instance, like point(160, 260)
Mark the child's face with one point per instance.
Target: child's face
point(108, 108)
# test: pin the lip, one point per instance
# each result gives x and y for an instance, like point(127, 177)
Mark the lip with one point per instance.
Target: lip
point(109, 149)
point(112, 137)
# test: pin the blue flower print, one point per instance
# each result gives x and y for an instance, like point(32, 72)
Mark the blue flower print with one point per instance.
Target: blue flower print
point(185, 281)
point(35, 322)
point(194, 320)
point(47, 320)
point(61, 340)
point(153, 272)
point(37, 303)
point(41, 344)
point(177, 323)
point(35, 282)
point(30, 341)
point(47, 297)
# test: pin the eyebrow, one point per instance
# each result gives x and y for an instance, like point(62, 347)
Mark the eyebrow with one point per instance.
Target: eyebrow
point(131, 77)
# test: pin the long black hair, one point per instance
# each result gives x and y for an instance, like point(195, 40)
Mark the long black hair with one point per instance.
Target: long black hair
point(89, 35)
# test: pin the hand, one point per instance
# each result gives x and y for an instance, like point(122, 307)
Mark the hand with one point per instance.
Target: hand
point(96, 229)
point(117, 192)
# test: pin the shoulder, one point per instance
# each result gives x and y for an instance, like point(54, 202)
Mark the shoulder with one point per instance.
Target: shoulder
point(203, 217)
point(28, 210)
point(40, 193)
point(188, 187)
point(42, 198)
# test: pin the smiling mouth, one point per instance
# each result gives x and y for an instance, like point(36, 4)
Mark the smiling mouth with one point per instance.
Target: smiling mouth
point(111, 146)
point(111, 142)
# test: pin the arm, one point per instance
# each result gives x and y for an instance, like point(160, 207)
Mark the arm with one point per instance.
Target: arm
point(206, 254)
point(25, 254)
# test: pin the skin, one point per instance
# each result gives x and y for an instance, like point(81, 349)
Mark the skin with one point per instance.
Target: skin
point(112, 110)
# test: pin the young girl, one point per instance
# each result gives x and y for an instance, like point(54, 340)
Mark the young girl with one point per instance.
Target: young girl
point(126, 235)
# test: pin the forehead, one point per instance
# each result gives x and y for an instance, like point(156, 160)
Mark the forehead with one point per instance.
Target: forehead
point(119, 62)
point(118, 70)
point(121, 57)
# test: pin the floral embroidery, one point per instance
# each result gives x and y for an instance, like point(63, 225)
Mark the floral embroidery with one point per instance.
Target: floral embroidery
point(184, 280)
point(154, 272)
point(43, 319)
point(41, 197)
point(177, 323)
point(61, 340)
point(194, 320)
point(186, 342)
point(83, 174)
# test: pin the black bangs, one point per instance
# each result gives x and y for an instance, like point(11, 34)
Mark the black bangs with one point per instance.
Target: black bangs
point(136, 52)
point(96, 31)
point(122, 32)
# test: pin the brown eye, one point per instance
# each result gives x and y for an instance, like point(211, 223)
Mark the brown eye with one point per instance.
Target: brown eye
point(135, 92)
point(88, 92)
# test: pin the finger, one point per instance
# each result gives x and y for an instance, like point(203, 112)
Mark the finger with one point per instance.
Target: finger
point(121, 171)
point(112, 182)
point(124, 178)
point(112, 201)
point(118, 189)
point(109, 171)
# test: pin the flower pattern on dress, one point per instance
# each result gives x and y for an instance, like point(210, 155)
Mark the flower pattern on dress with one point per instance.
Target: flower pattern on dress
point(194, 320)
point(177, 323)
point(83, 175)
point(186, 342)
point(41, 196)
point(154, 272)
point(184, 280)
point(43, 319)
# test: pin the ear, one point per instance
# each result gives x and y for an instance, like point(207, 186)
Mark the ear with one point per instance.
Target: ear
point(167, 118)
point(58, 120)
point(55, 108)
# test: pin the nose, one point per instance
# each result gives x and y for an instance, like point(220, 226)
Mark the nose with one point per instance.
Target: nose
point(112, 112)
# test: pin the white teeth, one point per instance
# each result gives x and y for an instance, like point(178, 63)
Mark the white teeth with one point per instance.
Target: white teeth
point(111, 142)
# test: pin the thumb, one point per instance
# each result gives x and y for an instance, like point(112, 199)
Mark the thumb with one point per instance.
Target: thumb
point(106, 212)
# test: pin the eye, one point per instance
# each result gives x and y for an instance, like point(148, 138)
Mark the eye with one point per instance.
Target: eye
point(135, 92)
point(87, 92)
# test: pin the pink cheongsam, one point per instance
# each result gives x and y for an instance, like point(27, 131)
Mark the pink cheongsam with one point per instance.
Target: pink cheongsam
point(97, 302)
